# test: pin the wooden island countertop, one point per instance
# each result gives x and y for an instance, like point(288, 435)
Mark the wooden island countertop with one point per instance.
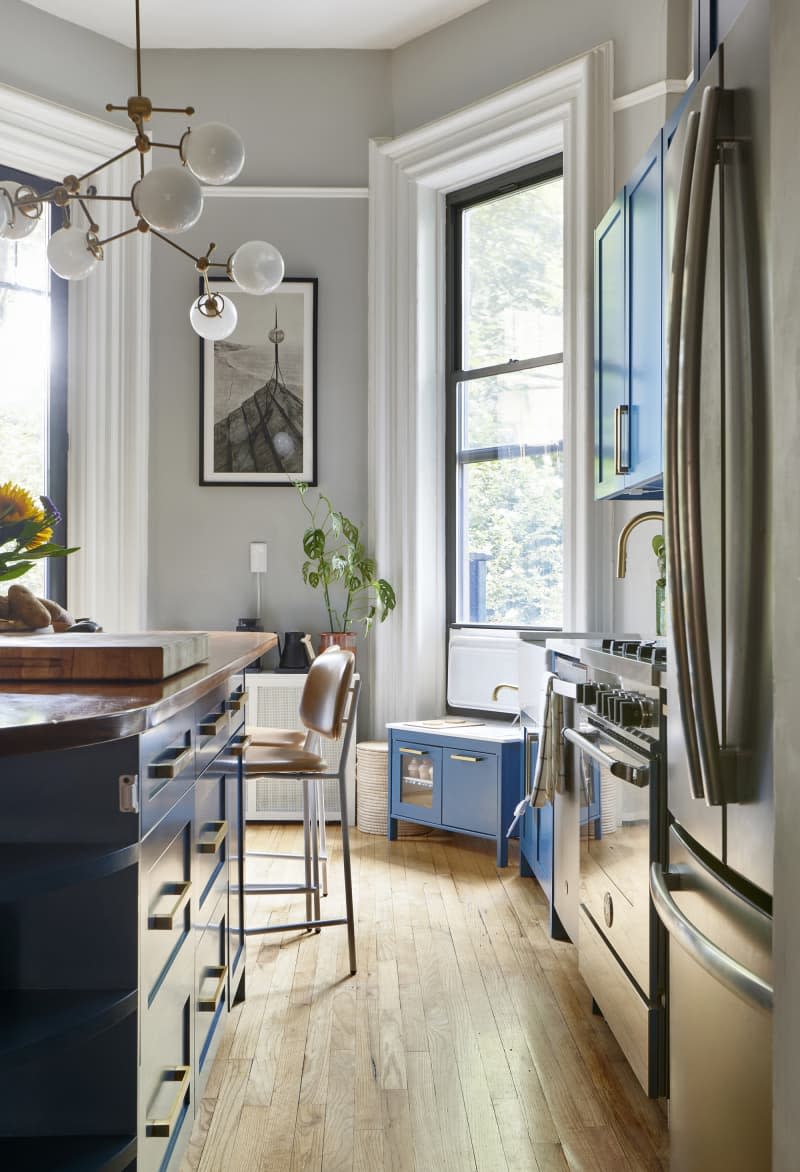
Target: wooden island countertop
point(39, 716)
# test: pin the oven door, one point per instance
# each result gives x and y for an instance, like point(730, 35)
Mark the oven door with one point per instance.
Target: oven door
point(615, 846)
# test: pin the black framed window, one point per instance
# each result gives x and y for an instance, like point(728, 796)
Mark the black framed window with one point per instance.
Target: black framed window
point(506, 399)
point(33, 375)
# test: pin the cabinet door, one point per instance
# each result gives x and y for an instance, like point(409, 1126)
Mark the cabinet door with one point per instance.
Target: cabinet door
point(643, 210)
point(416, 781)
point(611, 393)
point(469, 790)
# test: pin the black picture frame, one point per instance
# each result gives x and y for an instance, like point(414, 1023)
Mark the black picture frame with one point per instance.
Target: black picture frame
point(258, 389)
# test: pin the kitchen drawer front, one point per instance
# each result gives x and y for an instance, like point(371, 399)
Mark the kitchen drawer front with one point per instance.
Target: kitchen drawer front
point(211, 990)
point(469, 790)
point(166, 1091)
point(416, 796)
point(166, 896)
point(625, 925)
point(214, 724)
point(167, 767)
point(624, 1010)
point(236, 937)
point(212, 829)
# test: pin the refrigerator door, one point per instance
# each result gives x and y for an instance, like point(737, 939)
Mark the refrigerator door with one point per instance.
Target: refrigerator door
point(747, 406)
point(720, 1039)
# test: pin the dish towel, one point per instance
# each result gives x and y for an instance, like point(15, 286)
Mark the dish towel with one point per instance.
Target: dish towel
point(548, 777)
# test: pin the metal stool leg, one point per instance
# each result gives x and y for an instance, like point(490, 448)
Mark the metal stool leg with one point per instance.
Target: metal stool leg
point(348, 883)
point(312, 789)
point(308, 830)
point(323, 834)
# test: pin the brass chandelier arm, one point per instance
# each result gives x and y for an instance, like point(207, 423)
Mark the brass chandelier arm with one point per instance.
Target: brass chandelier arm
point(119, 235)
point(167, 146)
point(108, 162)
point(177, 247)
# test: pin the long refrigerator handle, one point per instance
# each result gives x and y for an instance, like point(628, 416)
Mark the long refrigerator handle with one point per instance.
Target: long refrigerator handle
point(701, 687)
point(671, 463)
point(724, 968)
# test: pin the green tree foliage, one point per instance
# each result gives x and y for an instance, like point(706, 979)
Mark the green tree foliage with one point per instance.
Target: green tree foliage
point(514, 506)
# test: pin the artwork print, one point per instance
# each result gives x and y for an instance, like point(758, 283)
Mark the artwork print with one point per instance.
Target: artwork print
point(258, 410)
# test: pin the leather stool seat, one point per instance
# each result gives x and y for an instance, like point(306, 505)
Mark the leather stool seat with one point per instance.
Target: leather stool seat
point(263, 759)
point(295, 738)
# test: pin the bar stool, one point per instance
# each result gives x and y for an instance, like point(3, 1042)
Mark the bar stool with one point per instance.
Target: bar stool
point(324, 711)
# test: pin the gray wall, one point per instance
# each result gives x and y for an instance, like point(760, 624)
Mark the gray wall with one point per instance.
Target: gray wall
point(62, 62)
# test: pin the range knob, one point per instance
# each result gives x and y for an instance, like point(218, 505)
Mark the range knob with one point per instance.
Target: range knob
point(636, 712)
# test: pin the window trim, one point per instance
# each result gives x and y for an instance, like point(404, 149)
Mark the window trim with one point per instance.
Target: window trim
point(567, 108)
point(456, 203)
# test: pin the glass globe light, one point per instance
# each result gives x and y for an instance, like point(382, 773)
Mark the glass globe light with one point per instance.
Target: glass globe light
point(256, 267)
point(68, 254)
point(18, 225)
point(213, 152)
point(169, 198)
point(213, 316)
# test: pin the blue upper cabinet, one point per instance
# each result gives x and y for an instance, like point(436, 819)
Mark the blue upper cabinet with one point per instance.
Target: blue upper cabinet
point(611, 392)
point(628, 337)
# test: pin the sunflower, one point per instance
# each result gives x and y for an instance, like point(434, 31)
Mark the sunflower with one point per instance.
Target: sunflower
point(17, 505)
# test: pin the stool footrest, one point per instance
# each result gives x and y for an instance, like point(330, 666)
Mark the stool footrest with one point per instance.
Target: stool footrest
point(277, 888)
point(299, 926)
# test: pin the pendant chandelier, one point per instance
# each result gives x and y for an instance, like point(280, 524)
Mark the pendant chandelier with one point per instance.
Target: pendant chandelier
point(165, 199)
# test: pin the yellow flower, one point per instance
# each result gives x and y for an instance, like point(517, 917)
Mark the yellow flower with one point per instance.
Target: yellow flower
point(16, 504)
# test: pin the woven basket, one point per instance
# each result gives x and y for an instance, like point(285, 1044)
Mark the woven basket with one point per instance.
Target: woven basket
point(372, 791)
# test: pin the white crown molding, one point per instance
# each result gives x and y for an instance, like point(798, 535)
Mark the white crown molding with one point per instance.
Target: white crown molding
point(566, 109)
point(286, 192)
point(108, 369)
point(649, 93)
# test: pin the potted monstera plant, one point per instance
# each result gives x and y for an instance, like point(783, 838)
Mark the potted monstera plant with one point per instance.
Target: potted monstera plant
point(337, 563)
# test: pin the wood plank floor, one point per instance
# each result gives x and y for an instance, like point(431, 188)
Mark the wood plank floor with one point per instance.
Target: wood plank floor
point(464, 1043)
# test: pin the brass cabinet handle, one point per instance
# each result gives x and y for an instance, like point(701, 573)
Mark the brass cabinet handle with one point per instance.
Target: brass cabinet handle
point(211, 1004)
point(235, 702)
point(465, 757)
point(620, 466)
point(210, 846)
point(163, 1127)
point(165, 921)
point(175, 765)
point(210, 725)
point(414, 752)
point(239, 746)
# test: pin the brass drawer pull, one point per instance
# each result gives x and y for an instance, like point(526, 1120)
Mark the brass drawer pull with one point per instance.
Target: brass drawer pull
point(414, 752)
point(210, 846)
point(210, 725)
point(211, 1004)
point(165, 922)
point(236, 700)
point(171, 768)
point(238, 746)
point(465, 757)
point(163, 1127)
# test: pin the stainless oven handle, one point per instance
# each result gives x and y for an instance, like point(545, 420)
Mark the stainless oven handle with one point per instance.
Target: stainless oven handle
point(635, 774)
point(718, 964)
point(673, 465)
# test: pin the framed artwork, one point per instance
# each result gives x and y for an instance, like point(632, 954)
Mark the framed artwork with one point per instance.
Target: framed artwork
point(258, 389)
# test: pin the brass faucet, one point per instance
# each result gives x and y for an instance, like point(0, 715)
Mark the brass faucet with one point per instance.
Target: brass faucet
point(499, 687)
point(625, 532)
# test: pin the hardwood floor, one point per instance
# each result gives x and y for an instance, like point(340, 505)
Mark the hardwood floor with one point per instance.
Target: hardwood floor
point(464, 1042)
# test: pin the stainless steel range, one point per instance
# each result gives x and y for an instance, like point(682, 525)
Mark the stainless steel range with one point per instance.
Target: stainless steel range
point(619, 733)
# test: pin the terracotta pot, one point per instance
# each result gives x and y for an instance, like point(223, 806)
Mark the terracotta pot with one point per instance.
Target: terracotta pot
point(344, 639)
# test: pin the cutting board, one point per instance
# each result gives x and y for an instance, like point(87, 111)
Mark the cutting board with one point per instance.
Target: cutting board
point(100, 656)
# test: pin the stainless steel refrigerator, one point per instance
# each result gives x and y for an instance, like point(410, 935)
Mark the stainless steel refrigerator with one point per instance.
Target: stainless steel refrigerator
point(714, 896)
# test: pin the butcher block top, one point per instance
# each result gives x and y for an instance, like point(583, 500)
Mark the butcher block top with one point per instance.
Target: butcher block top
point(39, 715)
point(98, 656)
